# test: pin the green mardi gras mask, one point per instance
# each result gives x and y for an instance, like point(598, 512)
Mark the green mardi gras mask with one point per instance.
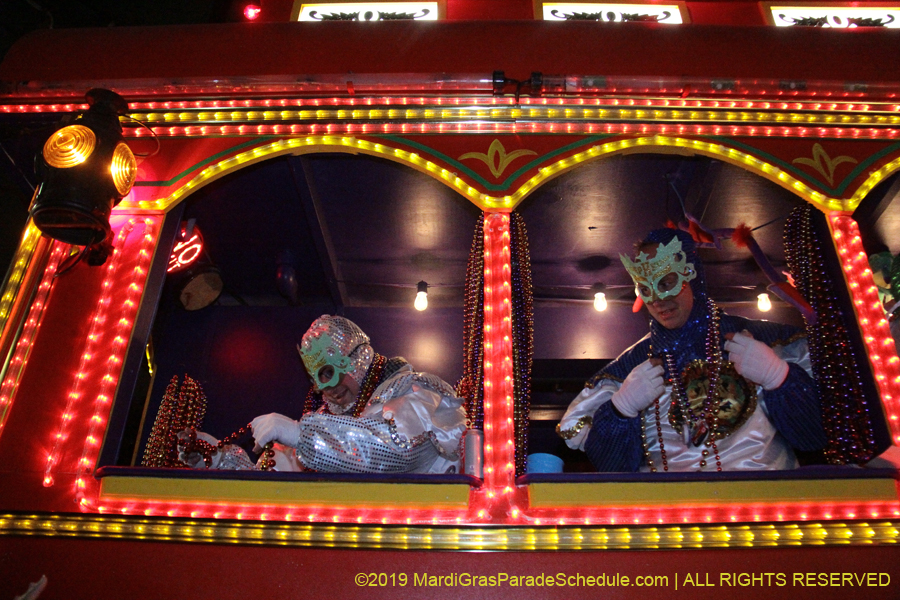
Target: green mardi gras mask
point(324, 362)
point(648, 273)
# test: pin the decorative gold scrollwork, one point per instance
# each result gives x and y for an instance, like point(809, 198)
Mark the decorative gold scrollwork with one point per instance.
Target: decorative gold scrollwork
point(823, 163)
point(496, 158)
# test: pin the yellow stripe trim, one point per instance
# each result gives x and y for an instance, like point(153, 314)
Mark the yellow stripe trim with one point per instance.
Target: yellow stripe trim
point(278, 493)
point(566, 495)
point(452, 538)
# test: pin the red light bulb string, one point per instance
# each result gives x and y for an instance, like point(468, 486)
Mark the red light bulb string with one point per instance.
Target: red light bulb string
point(499, 428)
point(870, 313)
point(122, 330)
point(29, 331)
point(76, 392)
point(129, 306)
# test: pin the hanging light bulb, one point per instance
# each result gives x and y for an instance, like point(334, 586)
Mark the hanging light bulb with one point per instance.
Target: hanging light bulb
point(421, 302)
point(763, 302)
point(600, 303)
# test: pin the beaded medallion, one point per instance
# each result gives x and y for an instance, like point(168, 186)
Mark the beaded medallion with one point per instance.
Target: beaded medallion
point(736, 400)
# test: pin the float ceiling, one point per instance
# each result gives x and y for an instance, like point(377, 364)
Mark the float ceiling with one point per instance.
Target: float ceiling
point(363, 231)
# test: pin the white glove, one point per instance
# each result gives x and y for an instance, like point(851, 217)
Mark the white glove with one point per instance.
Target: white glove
point(756, 361)
point(195, 460)
point(642, 386)
point(275, 428)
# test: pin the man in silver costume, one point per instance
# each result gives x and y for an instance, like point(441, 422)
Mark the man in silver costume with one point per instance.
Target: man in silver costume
point(377, 415)
point(703, 391)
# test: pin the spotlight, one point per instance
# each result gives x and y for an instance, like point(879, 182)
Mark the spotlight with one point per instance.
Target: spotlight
point(763, 302)
point(84, 169)
point(421, 302)
point(199, 286)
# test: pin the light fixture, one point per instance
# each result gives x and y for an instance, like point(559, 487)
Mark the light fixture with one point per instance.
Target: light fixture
point(600, 303)
point(251, 12)
point(188, 247)
point(198, 286)
point(421, 302)
point(84, 169)
point(195, 280)
point(763, 302)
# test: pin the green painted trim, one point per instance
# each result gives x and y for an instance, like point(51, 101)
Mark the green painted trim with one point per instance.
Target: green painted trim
point(205, 162)
point(496, 187)
point(860, 167)
point(809, 179)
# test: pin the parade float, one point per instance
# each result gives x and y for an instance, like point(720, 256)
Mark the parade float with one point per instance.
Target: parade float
point(269, 172)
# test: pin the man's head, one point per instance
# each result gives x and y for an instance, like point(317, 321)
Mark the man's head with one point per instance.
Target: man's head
point(336, 354)
point(668, 276)
point(881, 265)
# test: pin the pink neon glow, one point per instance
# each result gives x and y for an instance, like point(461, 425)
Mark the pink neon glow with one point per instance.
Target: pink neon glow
point(870, 133)
point(102, 405)
point(251, 12)
point(309, 514)
point(185, 252)
point(874, 325)
point(748, 512)
point(32, 324)
point(93, 386)
point(88, 401)
point(499, 501)
point(499, 442)
point(799, 105)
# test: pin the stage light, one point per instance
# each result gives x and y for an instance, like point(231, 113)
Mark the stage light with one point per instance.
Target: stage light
point(421, 302)
point(251, 12)
point(199, 286)
point(763, 302)
point(84, 169)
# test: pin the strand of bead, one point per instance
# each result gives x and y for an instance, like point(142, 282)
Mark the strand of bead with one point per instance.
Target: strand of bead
point(835, 364)
point(471, 385)
point(523, 335)
point(708, 415)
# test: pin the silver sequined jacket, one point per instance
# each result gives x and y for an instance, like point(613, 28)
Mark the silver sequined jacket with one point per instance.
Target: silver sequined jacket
point(412, 424)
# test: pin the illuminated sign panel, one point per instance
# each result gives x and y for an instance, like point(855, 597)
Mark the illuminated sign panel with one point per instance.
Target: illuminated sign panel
point(840, 17)
point(187, 249)
point(366, 11)
point(670, 14)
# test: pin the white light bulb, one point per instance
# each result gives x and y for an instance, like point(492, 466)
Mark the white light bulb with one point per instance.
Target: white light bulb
point(421, 302)
point(600, 303)
point(763, 302)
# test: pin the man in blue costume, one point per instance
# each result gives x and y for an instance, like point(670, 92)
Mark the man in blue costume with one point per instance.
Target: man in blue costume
point(703, 391)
